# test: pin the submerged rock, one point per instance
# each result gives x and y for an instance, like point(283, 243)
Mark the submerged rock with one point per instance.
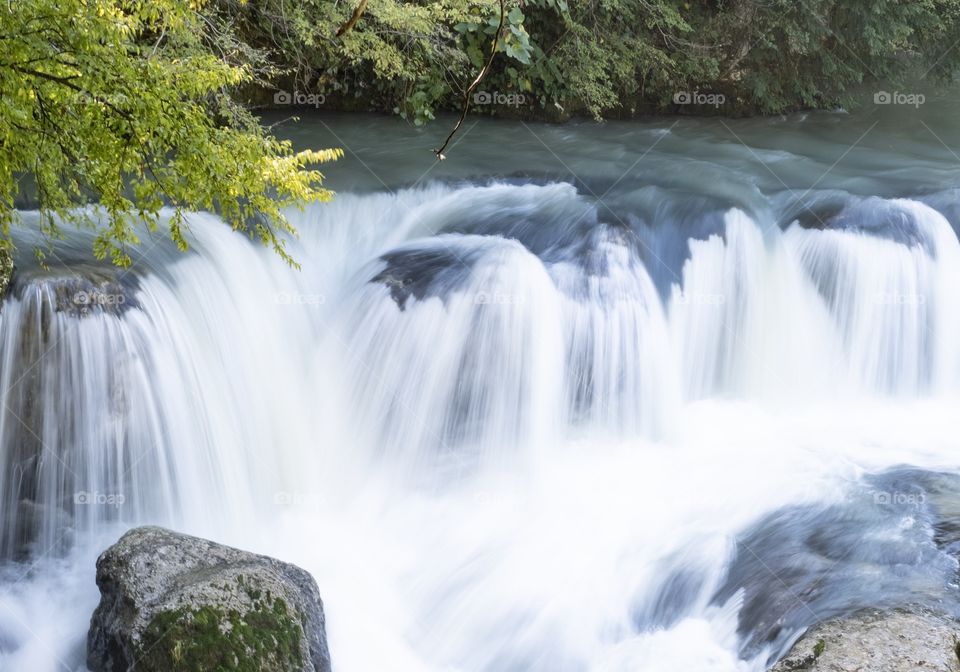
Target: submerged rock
point(171, 602)
point(877, 641)
point(88, 291)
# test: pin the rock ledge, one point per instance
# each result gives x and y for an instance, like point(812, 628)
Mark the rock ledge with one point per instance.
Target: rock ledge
point(877, 641)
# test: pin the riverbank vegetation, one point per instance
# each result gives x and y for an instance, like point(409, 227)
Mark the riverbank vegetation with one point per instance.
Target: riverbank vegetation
point(134, 104)
point(602, 58)
point(128, 105)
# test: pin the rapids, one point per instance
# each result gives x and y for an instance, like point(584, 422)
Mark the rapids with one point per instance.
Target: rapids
point(649, 409)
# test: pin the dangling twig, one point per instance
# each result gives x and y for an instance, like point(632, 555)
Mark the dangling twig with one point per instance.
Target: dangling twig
point(473, 85)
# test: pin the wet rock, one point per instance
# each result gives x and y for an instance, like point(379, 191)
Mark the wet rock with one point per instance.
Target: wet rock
point(6, 269)
point(174, 602)
point(437, 267)
point(877, 641)
point(21, 523)
point(85, 292)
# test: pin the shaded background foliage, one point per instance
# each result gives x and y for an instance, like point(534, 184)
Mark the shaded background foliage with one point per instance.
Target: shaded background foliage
point(603, 57)
point(136, 104)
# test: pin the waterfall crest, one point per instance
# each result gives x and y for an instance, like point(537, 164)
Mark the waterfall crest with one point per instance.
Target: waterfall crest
point(468, 349)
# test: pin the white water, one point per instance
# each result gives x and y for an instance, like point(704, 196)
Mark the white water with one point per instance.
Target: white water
point(507, 472)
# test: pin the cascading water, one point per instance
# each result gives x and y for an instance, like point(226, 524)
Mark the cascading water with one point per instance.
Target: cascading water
point(507, 426)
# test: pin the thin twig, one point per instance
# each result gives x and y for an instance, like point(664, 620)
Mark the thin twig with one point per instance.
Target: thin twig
point(473, 85)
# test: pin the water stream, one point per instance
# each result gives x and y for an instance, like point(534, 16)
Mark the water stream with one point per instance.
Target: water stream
point(649, 396)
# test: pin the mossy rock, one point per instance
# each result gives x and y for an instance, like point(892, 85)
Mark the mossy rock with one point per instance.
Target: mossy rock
point(264, 639)
point(173, 603)
point(877, 641)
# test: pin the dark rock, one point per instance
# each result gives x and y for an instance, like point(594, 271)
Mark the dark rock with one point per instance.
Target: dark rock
point(430, 270)
point(174, 602)
point(7, 268)
point(86, 292)
point(877, 641)
point(21, 523)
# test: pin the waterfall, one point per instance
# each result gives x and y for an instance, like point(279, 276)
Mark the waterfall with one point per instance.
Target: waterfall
point(892, 295)
point(461, 412)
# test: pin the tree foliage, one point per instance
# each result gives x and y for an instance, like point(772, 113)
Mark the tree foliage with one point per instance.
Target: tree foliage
point(606, 57)
point(126, 104)
point(131, 104)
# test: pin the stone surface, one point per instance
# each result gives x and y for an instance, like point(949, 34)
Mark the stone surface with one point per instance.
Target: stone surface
point(174, 602)
point(88, 291)
point(6, 270)
point(877, 641)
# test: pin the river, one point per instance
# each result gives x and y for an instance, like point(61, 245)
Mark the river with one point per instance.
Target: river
point(649, 396)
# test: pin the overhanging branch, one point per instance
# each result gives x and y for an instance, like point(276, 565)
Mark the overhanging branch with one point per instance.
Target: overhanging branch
point(473, 85)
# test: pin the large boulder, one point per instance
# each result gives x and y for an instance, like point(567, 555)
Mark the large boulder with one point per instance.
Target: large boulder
point(877, 641)
point(174, 602)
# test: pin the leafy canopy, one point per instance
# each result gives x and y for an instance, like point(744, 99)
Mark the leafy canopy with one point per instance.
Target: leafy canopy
point(605, 57)
point(126, 104)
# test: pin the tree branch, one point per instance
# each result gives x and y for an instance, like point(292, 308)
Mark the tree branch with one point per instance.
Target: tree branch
point(357, 13)
point(473, 85)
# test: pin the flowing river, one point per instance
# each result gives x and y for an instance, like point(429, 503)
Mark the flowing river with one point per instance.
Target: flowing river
point(648, 397)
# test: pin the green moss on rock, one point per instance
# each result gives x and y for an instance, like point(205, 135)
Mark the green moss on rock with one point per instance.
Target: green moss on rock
point(207, 639)
point(205, 607)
